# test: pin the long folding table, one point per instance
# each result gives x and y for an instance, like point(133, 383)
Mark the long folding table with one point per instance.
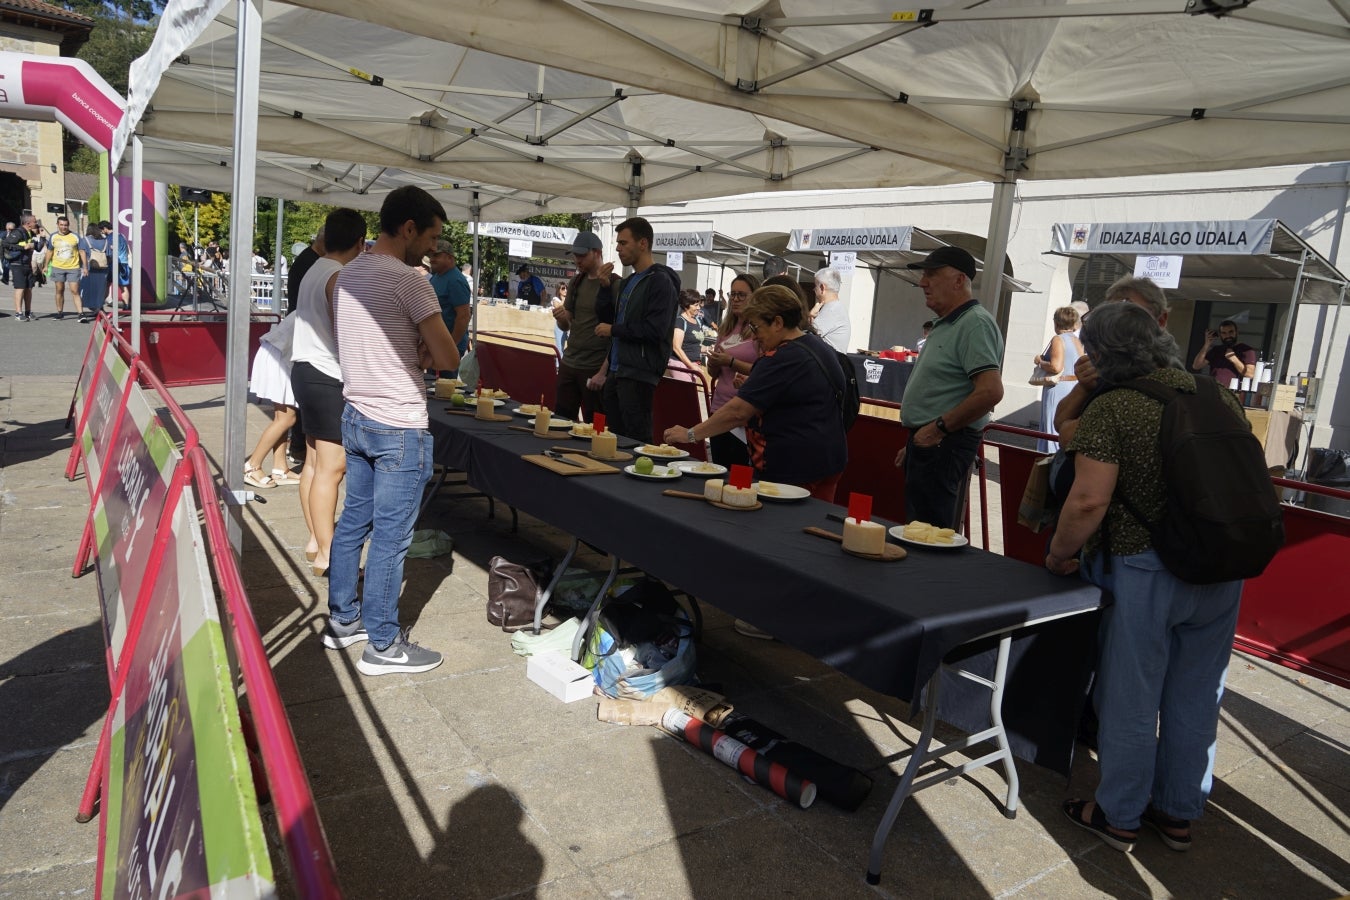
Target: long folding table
point(889, 625)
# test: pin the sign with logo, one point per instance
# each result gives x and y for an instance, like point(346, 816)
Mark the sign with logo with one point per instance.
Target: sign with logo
point(544, 234)
point(1164, 271)
point(109, 383)
point(128, 511)
point(1228, 238)
point(844, 261)
point(872, 371)
point(180, 814)
point(675, 259)
point(683, 241)
point(522, 247)
point(882, 237)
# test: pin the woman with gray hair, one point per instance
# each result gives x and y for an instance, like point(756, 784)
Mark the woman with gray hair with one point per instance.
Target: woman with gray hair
point(829, 315)
point(1164, 643)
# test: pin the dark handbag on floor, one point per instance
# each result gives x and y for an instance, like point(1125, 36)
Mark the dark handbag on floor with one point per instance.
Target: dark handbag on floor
point(513, 591)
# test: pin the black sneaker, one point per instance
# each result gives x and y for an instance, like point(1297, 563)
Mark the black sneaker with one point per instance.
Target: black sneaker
point(336, 635)
point(400, 656)
point(60, 316)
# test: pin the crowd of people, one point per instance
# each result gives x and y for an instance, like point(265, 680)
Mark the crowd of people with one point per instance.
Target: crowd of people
point(77, 266)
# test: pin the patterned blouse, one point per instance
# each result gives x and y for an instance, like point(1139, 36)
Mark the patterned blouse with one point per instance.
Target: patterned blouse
point(1122, 427)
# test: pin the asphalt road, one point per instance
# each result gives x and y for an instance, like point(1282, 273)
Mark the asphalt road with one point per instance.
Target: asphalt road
point(47, 346)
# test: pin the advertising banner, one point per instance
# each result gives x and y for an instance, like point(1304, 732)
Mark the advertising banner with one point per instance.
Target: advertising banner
point(128, 511)
point(180, 814)
point(544, 234)
point(682, 241)
point(110, 380)
point(1164, 271)
point(881, 237)
point(1243, 237)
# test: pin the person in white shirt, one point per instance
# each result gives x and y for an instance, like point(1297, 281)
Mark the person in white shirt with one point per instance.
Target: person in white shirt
point(259, 263)
point(830, 316)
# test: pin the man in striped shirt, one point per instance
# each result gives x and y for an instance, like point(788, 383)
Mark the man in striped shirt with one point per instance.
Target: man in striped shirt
point(388, 328)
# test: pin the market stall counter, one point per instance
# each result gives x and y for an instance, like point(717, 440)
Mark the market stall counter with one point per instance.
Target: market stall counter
point(880, 378)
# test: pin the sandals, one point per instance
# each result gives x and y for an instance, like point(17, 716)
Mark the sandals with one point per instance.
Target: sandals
point(1162, 823)
point(284, 476)
point(1098, 825)
point(255, 477)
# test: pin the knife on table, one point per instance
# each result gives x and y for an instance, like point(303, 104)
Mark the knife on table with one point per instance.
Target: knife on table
point(564, 458)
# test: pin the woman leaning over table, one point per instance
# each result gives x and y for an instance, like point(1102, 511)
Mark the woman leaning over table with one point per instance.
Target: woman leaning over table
point(789, 398)
point(1164, 643)
point(729, 361)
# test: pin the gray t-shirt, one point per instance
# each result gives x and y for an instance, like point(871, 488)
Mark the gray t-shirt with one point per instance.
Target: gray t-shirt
point(585, 350)
point(833, 326)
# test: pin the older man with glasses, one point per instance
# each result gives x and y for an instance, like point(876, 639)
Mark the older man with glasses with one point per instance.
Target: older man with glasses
point(581, 372)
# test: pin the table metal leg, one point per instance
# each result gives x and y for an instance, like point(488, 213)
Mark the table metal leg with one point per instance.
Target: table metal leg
point(547, 592)
point(921, 754)
point(594, 612)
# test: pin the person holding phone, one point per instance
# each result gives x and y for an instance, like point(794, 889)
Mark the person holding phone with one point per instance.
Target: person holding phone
point(1226, 357)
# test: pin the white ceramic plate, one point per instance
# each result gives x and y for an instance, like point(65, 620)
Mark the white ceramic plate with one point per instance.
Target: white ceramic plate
point(641, 450)
point(473, 401)
point(530, 409)
point(692, 467)
point(787, 493)
point(658, 473)
point(579, 434)
point(898, 532)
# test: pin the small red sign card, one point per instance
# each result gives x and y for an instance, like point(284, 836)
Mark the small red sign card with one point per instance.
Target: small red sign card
point(740, 476)
point(860, 507)
point(598, 422)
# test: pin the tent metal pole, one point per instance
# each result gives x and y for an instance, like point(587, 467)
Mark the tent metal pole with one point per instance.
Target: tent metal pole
point(1322, 378)
point(278, 288)
point(133, 248)
point(248, 63)
point(477, 212)
point(996, 248)
point(1287, 327)
point(117, 307)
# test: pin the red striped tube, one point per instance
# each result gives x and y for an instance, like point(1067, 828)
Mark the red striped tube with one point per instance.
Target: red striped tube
point(722, 746)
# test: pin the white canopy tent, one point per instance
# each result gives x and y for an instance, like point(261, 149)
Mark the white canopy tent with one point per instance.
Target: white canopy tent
point(999, 91)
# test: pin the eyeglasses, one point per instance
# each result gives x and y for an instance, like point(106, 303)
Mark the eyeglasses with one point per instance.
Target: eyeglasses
point(738, 295)
point(752, 327)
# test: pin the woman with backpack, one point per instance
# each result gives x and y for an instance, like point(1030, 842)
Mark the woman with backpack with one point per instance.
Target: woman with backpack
point(1164, 642)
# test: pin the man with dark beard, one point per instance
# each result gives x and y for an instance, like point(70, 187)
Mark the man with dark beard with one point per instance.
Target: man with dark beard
point(1226, 357)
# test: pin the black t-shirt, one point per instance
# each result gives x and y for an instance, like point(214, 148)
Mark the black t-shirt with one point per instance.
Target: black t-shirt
point(296, 275)
point(690, 343)
point(804, 437)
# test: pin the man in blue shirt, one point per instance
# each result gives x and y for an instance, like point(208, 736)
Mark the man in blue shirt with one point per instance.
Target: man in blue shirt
point(530, 288)
point(452, 290)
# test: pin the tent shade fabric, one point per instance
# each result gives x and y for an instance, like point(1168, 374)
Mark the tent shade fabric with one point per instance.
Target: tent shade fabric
point(1267, 277)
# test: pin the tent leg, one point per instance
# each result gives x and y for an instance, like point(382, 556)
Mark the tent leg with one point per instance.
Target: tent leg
point(278, 288)
point(477, 212)
point(137, 216)
point(996, 248)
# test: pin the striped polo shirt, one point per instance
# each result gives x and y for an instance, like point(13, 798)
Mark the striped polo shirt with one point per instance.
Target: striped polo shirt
point(377, 304)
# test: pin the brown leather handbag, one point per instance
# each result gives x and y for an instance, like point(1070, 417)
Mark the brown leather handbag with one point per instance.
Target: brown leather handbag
point(513, 592)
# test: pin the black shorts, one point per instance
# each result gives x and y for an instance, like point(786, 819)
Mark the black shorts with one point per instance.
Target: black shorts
point(320, 400)
point(21, 273)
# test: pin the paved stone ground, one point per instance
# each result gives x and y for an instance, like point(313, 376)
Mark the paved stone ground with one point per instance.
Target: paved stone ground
point(469, 781)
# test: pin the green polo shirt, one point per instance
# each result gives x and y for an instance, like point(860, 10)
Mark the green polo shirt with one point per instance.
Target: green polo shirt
point(961, 345)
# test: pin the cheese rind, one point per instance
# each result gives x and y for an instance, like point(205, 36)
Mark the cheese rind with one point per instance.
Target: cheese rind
point(605, 444)
point(864, 537)
point(445, 388)
point(712, 490)
point(484, 408)
point(541, 420)
point(742, 497)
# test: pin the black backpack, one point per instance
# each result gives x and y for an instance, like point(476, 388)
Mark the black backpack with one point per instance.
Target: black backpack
point(1222, 521)
point(849, 399)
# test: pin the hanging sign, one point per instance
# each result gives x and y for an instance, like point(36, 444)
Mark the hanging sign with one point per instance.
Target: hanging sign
point(544, 234)
point(1164, 271)
point(882, 237)
point(521, 247)
point(685, 241)
point(1242, 237)
point(844, 261)
point(675, 259)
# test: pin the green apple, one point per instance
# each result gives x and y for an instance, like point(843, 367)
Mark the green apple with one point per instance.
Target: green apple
point(643, 466)
point(458, 400)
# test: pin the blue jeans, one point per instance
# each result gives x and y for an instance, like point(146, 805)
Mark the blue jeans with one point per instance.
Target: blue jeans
point(387, 469)
point(1165, 646)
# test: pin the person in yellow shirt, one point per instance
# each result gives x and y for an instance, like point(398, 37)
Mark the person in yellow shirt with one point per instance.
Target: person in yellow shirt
point(68, 261)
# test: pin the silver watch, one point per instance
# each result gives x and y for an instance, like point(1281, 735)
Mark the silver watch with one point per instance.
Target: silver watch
point(690, 436)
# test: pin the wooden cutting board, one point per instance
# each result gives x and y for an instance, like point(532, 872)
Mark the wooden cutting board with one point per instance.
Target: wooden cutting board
point(592, 467)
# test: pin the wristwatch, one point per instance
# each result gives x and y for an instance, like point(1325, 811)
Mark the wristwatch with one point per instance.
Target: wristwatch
point(940, 425)
point(690, 437)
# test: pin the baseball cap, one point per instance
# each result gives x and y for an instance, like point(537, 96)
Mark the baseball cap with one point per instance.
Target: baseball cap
point(522, 269)
point(444, 247)
point(585, 242)
point(955, 257)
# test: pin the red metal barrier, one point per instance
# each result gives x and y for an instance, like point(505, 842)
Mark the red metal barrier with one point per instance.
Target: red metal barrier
point(183, 353)
point(298, 820)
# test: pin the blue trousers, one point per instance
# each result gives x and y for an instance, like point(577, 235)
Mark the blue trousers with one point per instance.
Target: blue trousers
point(1165, 646)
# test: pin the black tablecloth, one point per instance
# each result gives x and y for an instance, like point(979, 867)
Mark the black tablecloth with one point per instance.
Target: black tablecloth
point(888, 625)
point(881, 379)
